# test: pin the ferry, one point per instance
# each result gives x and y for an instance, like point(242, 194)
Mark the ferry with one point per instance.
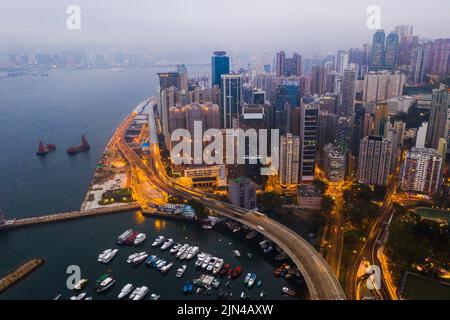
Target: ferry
point(236, 253)
point(80, 284)
point(139, 293)
point(251, 280)
point(225, 269)
point(158, 241)
point(78, 297)
point(181, 271)
point(217, 266)
point(192, 252)
point(236, 272)
point(139, 239)
point(167, 244)
point(125, 291)
point(154, 296)
point(175, 248)
point(105, 284)
point(124, 236)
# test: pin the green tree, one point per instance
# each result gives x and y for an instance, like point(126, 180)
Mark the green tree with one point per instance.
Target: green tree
point(269, 200)
point(199, 208)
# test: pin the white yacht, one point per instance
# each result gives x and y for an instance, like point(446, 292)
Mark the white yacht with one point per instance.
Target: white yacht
point(158, 241)
point(125, 291)
point(109, 256)
point(167, 244)
point(217, 266)
point(181, 271)
point(141, 292)
point(175, 248)
point(194, 250)
point(139, 239)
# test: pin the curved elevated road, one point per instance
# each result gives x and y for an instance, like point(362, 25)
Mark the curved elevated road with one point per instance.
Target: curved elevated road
point(319, 277)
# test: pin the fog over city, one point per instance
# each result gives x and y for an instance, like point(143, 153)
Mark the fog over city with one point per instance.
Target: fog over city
point(312, 27)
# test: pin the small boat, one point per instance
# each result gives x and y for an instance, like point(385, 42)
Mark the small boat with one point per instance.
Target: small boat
point(244, 296)
point(150, 260)
point(181, 270)
point(288, 292)
point(236, 272)
point(217, 266)
point(84, 146)
point(188, 287)
point(311, 235)
point(247, 277)
point(103, 277)
point(251, 234)
point(79, 297)
point(88, 298)
point(154, 296)
point(225, 269)
point(107, 255)
point(259, 283)
point(166, 268)
point(44, 149)
point(198, 263)
point(206, 262)
point(249, 255)
point(268, 249)
point(105, 284)
point(215, 283)
point(262, 294)
point(192, 252)
point(139, 239)
point(125, 291)
point(139, 293)
point(167, 244)
point(121, 239)
point(175, 248)
point(236, 253)
point(58, 297)
point(181, 251)
point(80, 284)
point(130, 240)
point(251, 280)
point(158, 241)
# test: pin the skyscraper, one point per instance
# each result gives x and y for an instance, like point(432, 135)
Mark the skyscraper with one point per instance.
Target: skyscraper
point(374, 160)
point(342, 57)
point(391, 51)
point(421, 171)
point(289, 159)
point(417, 70)
point(376, 61)
point(287, 67)
point(220, 64)
point(182, 71)
point(348, 92)
point(232, 100)
point(308, 140)
point(437, 125)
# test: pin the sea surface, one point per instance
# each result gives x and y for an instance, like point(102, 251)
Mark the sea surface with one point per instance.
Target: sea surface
point(58, 109)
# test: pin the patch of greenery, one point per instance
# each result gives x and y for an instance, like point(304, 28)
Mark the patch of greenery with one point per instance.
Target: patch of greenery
point(269, 200)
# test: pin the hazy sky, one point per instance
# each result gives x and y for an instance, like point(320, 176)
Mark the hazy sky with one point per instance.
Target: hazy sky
point(310, 26)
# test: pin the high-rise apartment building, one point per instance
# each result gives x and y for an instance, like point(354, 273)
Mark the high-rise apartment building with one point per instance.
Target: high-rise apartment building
point(437, 125)
point(289, 159)
point(231, 99)
point(288, 67)
point(242, 193)
point(348, 90)
point(374, 160)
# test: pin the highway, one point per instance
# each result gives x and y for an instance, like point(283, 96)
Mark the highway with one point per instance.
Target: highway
point(320, 279)
point(368, 250)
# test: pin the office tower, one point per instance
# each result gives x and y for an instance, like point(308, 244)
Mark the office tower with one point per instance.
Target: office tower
point(348, 92)
point(333, 163)
point(417, 69)
point(169, 79)
point(421, 171)
point(440, 57)
point(382, 85)
point(330, 102)
point(288, 67)
point(289, 159)
point(404, 31)
point(437, 125)
point(327, 128)
point(242, 193)
point(258, 97)
point(391, 51)
point(220, 65)
point(308, 139)
point(376, 59)
point(318, 80)
point(342, 61)
point(182, 71)
point(374, 160)
point(232, 100)
point(287, 92)
point(343, 134)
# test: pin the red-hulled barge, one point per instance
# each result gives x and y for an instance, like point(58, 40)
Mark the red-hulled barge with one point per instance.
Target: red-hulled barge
point(43, 149)
point(83, 147)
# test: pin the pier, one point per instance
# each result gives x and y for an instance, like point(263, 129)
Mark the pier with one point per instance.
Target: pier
point(20, 273)
point(25, 222)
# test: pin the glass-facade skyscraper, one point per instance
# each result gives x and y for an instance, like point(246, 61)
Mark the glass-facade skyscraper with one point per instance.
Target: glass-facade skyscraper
point(220, 64)
point(376, 61)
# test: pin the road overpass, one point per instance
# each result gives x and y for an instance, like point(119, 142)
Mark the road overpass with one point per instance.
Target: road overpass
point(320, 279)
